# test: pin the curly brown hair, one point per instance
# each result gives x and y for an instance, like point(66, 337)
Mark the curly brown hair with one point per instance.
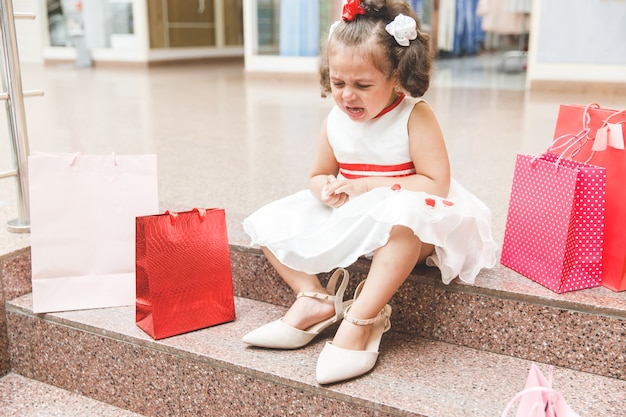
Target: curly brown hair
point(411, 65)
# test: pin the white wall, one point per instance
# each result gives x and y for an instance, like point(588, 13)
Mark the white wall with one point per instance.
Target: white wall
point(31, 34)
point(578, 41)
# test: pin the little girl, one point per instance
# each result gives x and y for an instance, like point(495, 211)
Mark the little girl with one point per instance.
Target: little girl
point(380, 187)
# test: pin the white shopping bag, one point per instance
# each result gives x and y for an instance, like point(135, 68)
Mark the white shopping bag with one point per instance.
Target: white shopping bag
point(82, 221)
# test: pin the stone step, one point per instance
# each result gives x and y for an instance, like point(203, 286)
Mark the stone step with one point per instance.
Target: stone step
point(103, 355)
point(24, 397)
point(503, 313)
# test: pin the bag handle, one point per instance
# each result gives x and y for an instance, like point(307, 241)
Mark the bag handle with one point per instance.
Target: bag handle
point(77, 154)
point(174, 215)
point(574, 140)
point(580, 136)
point(547, 406)
point(535, 389)
point(587, 119)
point(586, 116)
point(74, 157)
point(606, 121)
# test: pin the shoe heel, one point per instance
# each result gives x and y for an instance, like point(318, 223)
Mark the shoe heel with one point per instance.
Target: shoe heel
point(336, 364)
point(279, 335)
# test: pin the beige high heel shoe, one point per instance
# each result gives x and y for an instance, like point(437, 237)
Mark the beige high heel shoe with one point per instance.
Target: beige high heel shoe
point(336, 364)
point(279, 335)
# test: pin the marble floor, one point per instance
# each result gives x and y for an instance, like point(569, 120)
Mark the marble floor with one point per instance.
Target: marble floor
point(227, 139)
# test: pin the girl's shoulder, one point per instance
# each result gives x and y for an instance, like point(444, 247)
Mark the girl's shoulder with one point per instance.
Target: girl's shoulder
point(411, 102)
point(414, 100)
point(419, 106)
point(407, 105)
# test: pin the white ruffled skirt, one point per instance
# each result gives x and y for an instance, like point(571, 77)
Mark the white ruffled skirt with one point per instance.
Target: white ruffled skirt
point(309, 236)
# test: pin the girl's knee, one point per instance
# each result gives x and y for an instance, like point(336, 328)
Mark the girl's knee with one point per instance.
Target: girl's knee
point(406, 235)
point(402, 232)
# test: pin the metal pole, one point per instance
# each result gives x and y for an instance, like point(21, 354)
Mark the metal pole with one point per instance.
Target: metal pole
point(16, 115)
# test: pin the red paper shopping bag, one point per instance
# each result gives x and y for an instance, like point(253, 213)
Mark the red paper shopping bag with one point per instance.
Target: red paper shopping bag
point(554, 227)
point(603, 146)
point(184, 278)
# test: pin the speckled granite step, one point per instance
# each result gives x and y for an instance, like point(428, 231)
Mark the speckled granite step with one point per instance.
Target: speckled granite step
point(103, 355)
point(503, 312)
point(454, 350)
point(24, 397)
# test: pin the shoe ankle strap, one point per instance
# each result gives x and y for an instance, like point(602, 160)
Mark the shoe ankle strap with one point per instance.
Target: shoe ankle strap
point(364, 322)
point(333, 292)
point(359, 322)
point(319, 296)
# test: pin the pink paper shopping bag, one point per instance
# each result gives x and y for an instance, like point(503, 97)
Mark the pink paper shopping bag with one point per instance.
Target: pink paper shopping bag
point(554, 227)
point(539, 399)
point(603, 146)
point(83, 210)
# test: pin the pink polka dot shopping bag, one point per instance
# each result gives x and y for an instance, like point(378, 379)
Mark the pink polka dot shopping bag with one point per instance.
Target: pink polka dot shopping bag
point(604, 146)
point(555, 221)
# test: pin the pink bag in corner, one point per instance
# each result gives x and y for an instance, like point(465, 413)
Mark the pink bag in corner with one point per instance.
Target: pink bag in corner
point(539, 399)
point(555, 222)
point(604, 147)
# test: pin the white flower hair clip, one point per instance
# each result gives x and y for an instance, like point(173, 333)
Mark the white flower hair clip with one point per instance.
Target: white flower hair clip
point(403, 29)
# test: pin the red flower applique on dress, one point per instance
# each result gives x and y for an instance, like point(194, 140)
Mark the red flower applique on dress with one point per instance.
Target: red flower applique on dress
point(432, 202)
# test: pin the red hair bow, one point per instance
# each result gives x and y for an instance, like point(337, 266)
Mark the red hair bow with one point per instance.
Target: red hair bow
point(351, 9)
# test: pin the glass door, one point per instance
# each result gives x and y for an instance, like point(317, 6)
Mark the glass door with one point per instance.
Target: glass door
point(195, 23)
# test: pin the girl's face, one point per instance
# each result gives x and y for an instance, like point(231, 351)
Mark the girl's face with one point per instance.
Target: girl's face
point(357, 86)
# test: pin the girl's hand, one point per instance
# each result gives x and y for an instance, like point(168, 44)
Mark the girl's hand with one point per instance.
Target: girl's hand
point(330, 196)
point(337, 192)
point(352, 188)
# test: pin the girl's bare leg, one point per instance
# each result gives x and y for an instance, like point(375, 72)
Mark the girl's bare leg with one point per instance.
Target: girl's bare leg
point(391, 265)
point(305, 311)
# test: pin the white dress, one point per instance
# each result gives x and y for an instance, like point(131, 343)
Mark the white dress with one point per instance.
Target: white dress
point(309, 236)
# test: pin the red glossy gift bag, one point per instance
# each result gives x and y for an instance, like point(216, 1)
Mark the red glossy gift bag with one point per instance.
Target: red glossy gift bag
point(604, 146)
point(555, 222)
point(184, 278)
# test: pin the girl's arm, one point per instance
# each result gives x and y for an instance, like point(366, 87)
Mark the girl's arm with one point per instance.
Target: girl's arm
point(324, 172)
point(428, 153)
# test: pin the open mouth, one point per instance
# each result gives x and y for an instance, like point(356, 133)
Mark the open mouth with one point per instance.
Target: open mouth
point(355, 111)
